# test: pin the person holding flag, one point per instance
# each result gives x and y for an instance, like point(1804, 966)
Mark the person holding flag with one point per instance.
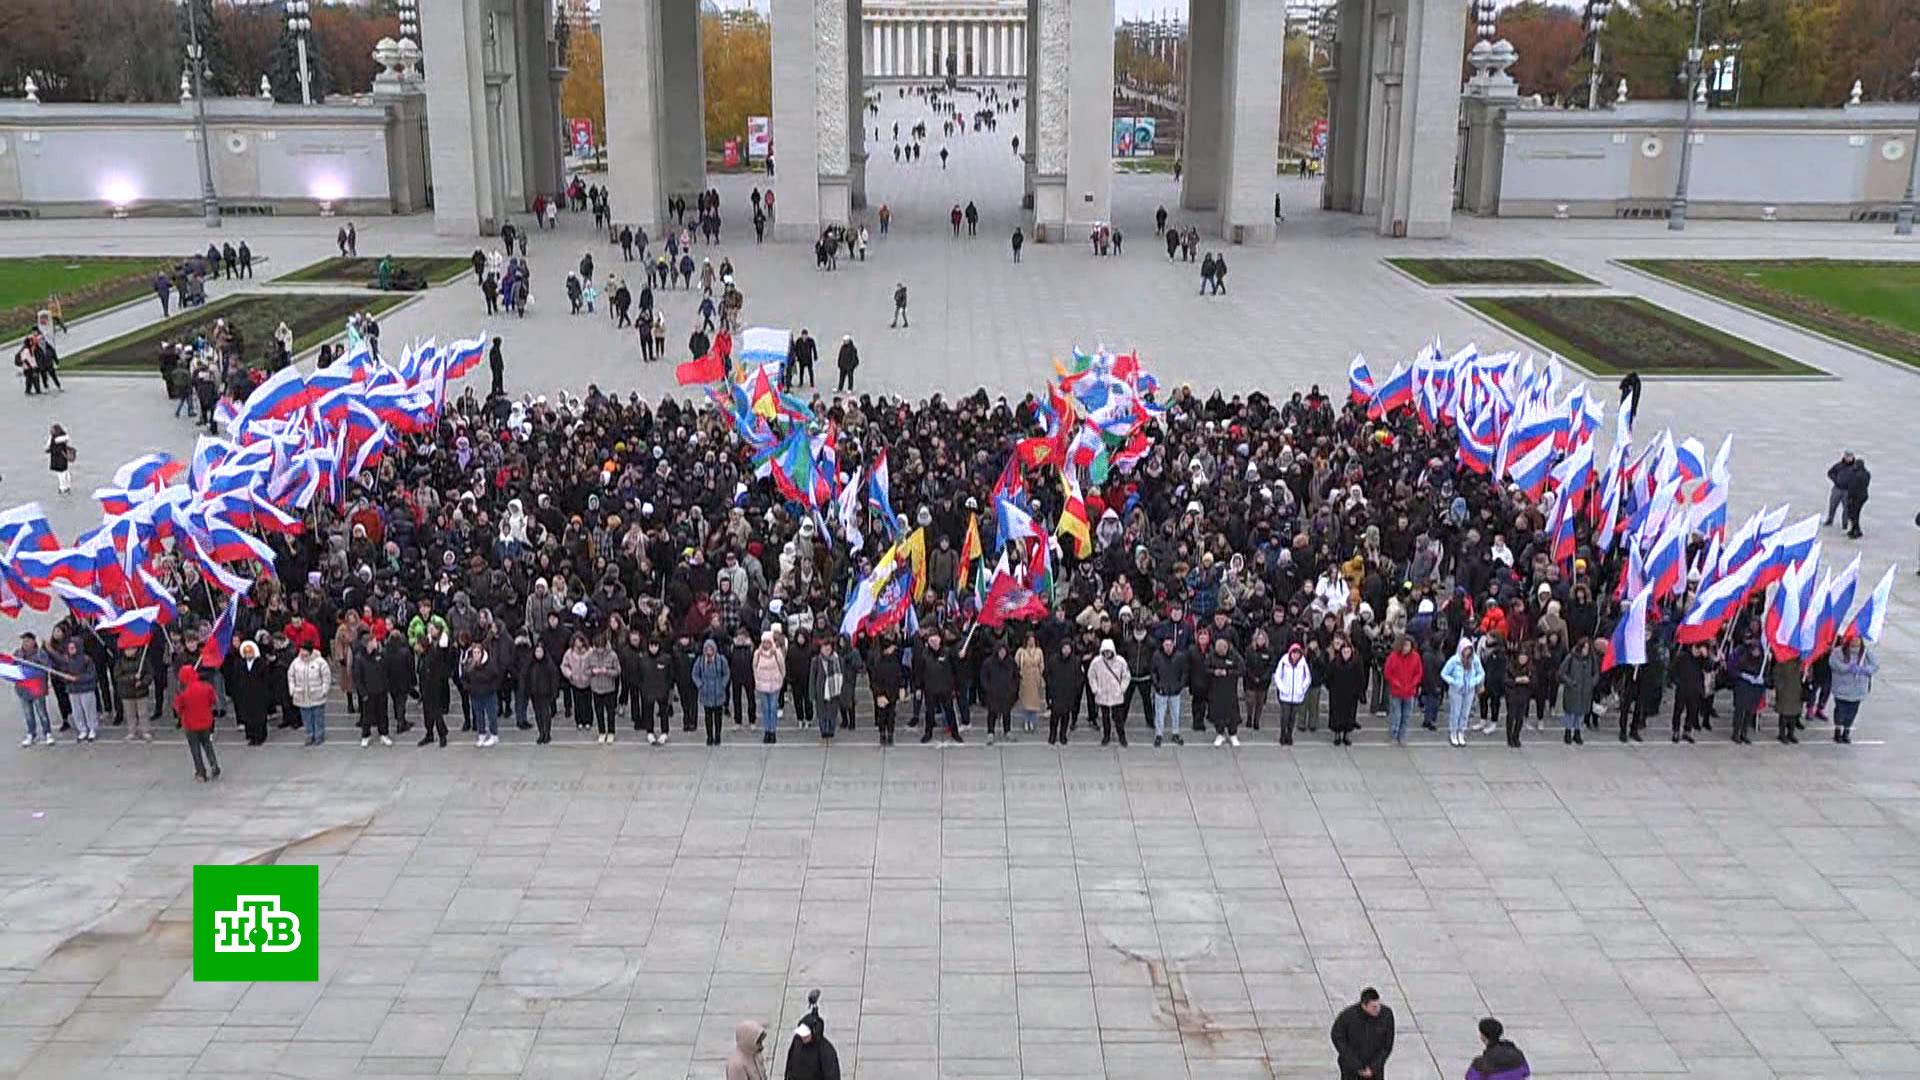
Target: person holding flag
point(27, 670)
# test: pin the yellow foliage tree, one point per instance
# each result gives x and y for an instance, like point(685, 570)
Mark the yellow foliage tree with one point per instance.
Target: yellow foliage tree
point(583, 95)
point(737, 72)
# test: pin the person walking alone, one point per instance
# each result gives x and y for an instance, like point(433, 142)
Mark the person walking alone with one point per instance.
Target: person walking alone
point(1019, 241)
point(194, 705)
point(60, 455)
point(848, 362)
point(1363, 1037)
point(1499, 1059)
point(900, 305)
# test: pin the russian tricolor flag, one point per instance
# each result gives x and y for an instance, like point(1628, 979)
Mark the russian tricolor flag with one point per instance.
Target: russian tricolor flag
point(1791, 601)
point(1359, 381)
point(1872, 616)
point(28, 526)
point(214, 652)
point(464, 356)
point(147, 471)
point(134, 627)
point(1395, 393)
point(156, 595)
point(1715, 604)
point(1666, 563)
point(1628, 643)
point(31, 679)
point(83, 602)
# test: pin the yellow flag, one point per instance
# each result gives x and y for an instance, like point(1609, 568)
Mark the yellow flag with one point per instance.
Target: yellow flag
point(915, 549)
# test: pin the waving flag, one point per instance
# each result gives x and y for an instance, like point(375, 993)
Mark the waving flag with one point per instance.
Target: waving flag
point(879, 496)
point(1786, 547)
point(23, 675)
point(214, 652)
point(134, 627)
point(1359, 381)
point(147, 471)
point(971, 548)
point(82, 602)
point(1530, 471)
point(1871, 619)
point(1007, 600)
point(1715, 604)
point(847, 509)
point(1013, 521)
point(1628, 643)
point(464, 356)
point(149, 590)
point(284, 393)
point(1787, 613)
point(1073, 519)
point(1395, 393)
point(27, 526)
point(1666, 561)
point(212, 570)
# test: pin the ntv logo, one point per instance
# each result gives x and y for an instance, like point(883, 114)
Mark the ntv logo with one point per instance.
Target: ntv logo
point(256, 923)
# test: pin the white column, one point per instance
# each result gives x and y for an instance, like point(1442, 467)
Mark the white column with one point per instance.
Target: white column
point(811, 109)
point(1425, 127)
point(913, 49)
point(1251, 107)
point(1020, 32)
point(1071, 95)
point(979, 53)
point(991, 67)
point(946, 48)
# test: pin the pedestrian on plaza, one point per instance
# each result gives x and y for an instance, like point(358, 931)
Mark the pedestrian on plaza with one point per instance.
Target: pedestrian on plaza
point(79, 676)
point(885, 216)
point(60, 456)
point(1630, 396)
point(247, 677)
point(309, 678)
point(1856, 494)
point(1579, 675)
point(1363, 1037)
point(1173, 243)
point(497, 367)
point(1293, 680)
point(1499, 1059)
point(1840, 475)
point(1692, 668)
point(353, 242)
point(32, 694)
point(848, 362)
point(1160, 220)
point(826, 685)
point(801, 356)
point(1108, 678)
point(370, 678)
point(1519, 691)
point(769, 676)
point(1224, 668)
point(900, 305)
point(1019, 241)
point(811, 1056)
point(163, 288)
point(955, 216)
point(490, 292)
point(1403, 673)
point(712, 675)
point(1206, 274)
point(1854, 667)
point(973, 219)
point(749, 1044)
point(1219, 274)
point(194, 706)
point(246, 260)
point(1463, 674)
point(943, 159)
point(1346, 680)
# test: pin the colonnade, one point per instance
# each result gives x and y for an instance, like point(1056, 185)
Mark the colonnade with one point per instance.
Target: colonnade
point(990, 43)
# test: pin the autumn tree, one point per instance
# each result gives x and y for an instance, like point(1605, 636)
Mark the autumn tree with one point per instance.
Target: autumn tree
point(1551, 43)
point(345, 35)
point(583, 96)
point(737, 71)
point(1303, 94)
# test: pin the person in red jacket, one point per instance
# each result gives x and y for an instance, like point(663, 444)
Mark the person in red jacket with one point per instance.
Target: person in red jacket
point(194, 706)
point(1404, 672)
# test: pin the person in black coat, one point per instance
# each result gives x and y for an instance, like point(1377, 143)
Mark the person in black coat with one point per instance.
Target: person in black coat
point(1224, 668)
point(999, 688)
point(799, 676)
point(1346, 681)
point(810, 1056)
point(370, 679)
point(1689, 677)
point(740, 675)
point(250, 686)
point(1064, 676)
point(685, 652)
point(540, 682)
point(848, 362)
point(1363, 1037)
point(884, 678)
point(432, 669)
point(939, 678)
point(399, 662)
point(656, 691)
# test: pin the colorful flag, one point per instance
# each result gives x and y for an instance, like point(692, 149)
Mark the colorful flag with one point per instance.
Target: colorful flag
point(1073, 518)
point(1628, 643)
point(970, 548)
point(135, 627)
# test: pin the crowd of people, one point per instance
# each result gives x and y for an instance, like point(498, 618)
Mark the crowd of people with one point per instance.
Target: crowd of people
point(1270, 565)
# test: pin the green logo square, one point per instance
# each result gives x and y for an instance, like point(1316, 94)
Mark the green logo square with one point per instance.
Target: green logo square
point(256, 924)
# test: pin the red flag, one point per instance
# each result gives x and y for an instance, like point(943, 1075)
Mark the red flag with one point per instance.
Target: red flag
point(708, 369)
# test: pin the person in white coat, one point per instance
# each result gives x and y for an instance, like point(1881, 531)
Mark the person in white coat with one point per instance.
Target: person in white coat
point(1292, 678)
point(1108, 677)
point(309, 679)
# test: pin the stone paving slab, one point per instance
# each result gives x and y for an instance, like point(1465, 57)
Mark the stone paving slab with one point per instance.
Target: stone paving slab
point(577, 910)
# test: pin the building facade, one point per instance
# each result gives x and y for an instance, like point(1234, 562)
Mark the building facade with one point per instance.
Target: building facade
point(928, 39)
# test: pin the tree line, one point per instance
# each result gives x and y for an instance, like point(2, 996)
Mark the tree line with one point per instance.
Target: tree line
point(135, 50)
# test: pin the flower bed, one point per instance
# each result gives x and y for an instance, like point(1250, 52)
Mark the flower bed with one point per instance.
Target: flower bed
point(1612, 335)
point(313, 318)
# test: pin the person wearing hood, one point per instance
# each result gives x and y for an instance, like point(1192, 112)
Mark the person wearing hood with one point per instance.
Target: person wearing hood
point(250, 687)
point(193, 704)
point(1463, 675)
point(999, 689)
point(1108, 678)
point(811, 1056)
point(1499, 1059)
point(712, 675)
point(749, 1046)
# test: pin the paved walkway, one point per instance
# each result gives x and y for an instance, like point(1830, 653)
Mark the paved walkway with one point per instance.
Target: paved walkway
point(1014, 911)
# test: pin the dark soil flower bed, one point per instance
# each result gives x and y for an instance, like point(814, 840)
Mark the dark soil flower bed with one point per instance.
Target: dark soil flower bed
point(1611, 335)
point(1489, 272)
point(313, 318)
point(436, 269)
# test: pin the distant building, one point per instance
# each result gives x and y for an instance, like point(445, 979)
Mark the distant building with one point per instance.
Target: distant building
point(929, 39)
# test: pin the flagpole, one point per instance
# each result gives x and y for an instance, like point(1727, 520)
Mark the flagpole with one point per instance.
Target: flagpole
point(45, 668)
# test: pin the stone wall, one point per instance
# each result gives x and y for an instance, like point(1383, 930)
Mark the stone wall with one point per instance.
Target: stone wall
point(1808, 164)
point(77, 160)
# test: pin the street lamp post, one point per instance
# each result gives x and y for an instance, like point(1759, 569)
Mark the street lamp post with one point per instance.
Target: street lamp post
point(1903, 221)
point(1597, 12)
point(209, 202)
point(1677, 216)
point(298, 24)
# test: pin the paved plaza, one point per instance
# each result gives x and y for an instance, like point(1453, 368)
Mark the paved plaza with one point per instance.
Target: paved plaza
point(1012, 911)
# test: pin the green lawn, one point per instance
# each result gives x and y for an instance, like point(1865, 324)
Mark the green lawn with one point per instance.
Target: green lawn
point(437, 269)
point(1612, 335)
point(313, 318)
point(85, 284)
point(1873, 305)
point(1489, 272)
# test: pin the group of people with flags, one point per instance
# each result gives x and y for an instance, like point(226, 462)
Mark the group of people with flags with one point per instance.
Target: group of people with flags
point(1453, 535)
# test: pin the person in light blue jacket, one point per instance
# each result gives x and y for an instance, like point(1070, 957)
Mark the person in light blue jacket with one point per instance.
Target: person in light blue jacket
point(1464, 675)
point(1853, 670)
